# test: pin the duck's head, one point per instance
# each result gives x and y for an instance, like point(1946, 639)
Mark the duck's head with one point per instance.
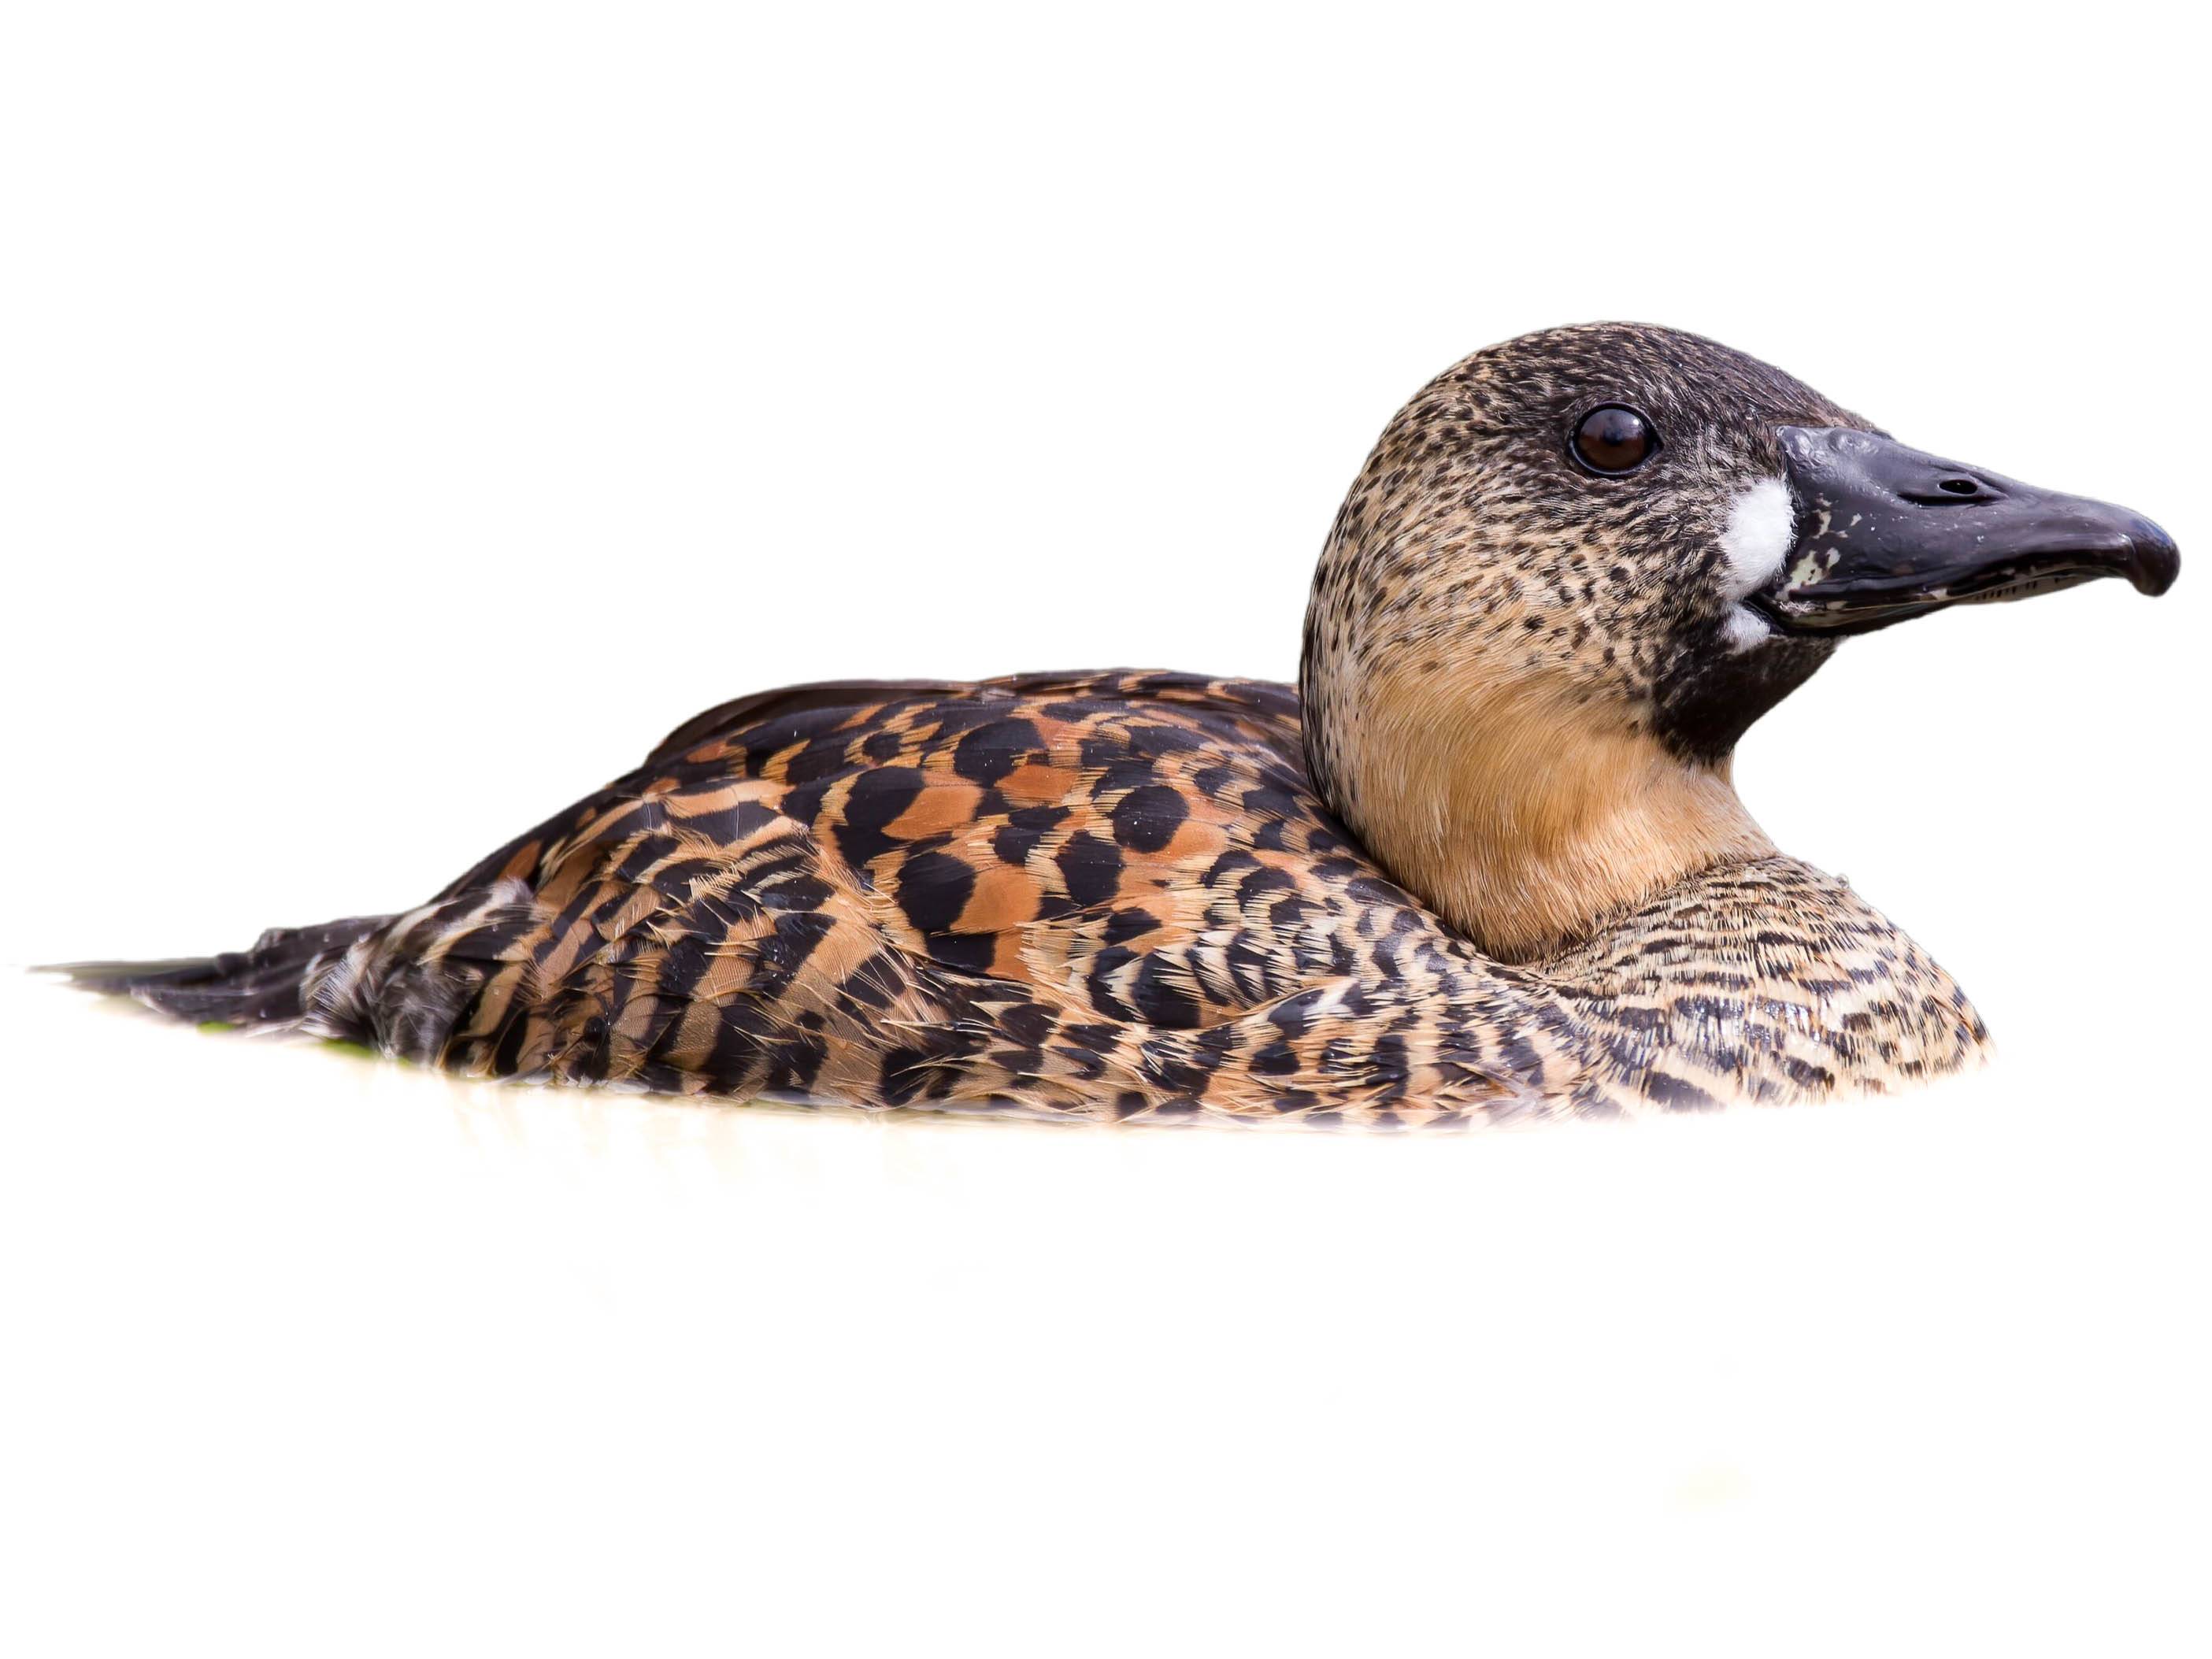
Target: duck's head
point(1579, 565)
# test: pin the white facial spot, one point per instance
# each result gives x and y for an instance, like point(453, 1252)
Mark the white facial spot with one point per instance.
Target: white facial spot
point(1758, 538)
point(1745, 628)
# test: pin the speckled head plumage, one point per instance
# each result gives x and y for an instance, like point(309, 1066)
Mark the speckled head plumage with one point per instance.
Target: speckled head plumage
point(1472, 531)
point(1523, 678)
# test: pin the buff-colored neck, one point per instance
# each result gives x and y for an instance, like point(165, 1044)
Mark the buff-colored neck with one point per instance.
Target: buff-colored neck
point(1526, 820)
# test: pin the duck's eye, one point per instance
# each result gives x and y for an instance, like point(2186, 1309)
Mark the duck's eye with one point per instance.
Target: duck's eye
point(1614, 439)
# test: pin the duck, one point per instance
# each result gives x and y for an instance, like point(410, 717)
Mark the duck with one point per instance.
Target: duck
point(1484, 861)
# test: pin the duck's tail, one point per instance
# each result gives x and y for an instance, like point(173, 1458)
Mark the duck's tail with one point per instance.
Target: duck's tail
point(266, 986)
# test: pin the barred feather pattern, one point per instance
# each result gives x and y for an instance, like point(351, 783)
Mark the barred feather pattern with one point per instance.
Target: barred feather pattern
point(1107, 894)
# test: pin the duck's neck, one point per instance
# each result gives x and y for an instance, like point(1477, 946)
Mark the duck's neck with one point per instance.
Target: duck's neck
point(1528, 821)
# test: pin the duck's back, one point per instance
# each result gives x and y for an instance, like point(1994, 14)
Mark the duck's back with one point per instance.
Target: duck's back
point(1068, 892)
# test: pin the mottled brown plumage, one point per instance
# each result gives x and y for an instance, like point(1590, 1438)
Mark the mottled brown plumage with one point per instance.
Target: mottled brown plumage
point(1498, 870)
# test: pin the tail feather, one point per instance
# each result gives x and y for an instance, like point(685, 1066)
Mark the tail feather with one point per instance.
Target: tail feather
point(263, 986)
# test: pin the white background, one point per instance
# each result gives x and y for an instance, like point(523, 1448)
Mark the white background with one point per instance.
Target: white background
point(407, 413)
